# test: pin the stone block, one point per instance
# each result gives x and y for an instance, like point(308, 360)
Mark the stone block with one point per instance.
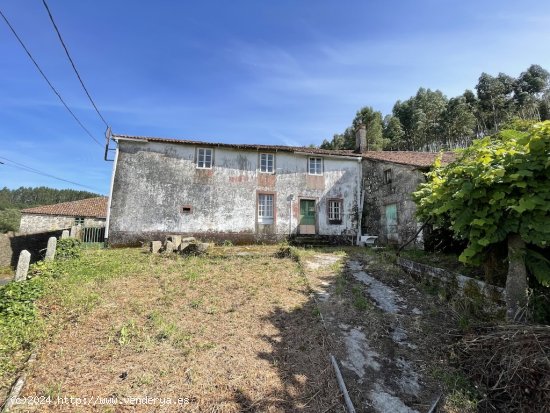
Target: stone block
point(155, 246)
point(65, 234)
point(23, 266)
point(50, 250)
point(176, 240)
point(188, 239)
point(169, 247)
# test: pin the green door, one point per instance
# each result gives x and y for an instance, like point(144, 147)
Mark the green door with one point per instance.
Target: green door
point(391, 222)
point(307, 216)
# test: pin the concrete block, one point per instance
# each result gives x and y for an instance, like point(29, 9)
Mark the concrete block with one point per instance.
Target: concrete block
point(202, 247)
point(155, 246)
point(50, 250)
point(23, 266)
point(65, 234)
point(188, 239)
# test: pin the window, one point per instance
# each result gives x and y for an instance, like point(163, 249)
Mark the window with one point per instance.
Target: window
point(186, 209)
point(79, 221)
point(267, 162)
point(335, 211)
point(388, 175)
point(265, 208)
point(204, 158)
point(315, 166)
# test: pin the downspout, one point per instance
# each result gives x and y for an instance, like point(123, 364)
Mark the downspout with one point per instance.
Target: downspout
point(111, 194)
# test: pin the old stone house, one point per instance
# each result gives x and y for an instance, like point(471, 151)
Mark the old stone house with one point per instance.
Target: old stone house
point(91, 212)
point(250, 193)
point(240, 193)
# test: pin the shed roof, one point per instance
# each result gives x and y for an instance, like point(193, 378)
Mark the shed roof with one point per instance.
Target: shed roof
point(418, 159)
point(91, 207)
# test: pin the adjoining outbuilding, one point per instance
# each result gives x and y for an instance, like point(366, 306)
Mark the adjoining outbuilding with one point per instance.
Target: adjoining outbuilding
point(91, 212)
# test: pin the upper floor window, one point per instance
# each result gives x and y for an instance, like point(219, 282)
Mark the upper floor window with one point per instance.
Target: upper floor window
point(267, 163)
point(388, 176)
point(315, 166)
point(204, 158)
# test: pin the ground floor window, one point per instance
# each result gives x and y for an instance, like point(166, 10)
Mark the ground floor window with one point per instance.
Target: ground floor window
point(265, 208)
point(335, 211)
point(79, 221)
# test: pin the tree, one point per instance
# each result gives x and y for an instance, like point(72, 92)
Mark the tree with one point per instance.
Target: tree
point(495, 99)
point(498, 190)
point(458, 123)
point(393, 133)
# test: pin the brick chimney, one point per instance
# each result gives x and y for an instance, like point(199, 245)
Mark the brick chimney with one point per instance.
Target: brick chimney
point(360, 138)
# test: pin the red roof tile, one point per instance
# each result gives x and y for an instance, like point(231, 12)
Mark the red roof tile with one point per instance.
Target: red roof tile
point(91, 207)
point(305, 149)
point(419, 159)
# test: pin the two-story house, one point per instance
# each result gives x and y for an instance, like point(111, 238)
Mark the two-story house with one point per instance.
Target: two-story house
point(241, 193)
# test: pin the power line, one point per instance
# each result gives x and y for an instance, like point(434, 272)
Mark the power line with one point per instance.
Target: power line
point(72, 63)
point(36, 171)
point(47, 80)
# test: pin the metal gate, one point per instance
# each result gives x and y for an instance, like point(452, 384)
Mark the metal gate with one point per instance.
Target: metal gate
point(92, 236)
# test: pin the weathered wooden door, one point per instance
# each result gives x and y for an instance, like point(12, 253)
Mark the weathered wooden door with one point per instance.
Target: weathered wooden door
point(307, 216)
point(391, 223)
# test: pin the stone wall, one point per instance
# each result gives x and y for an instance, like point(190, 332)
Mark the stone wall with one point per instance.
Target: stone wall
point(31, 223)
point(158, 189)
point(11, 244)
point(378, 194)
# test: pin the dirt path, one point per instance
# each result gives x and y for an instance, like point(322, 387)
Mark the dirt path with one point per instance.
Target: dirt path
point(385, 333)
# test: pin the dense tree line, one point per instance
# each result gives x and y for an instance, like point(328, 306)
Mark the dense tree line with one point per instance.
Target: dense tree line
point(30, 197)
point(431, 121)
point(12, 200)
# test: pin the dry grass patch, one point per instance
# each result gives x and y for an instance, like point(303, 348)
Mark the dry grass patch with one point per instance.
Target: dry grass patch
point(231, 332)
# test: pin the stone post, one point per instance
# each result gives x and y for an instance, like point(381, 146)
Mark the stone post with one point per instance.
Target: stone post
point(65, 234)
point(23, 266)
point(73, 231)
point(155, 246)
point(50, 250)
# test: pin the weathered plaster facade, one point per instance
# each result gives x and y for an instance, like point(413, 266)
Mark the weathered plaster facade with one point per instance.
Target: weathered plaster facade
point(31, 223)
point(157, 189)
point(389, 186)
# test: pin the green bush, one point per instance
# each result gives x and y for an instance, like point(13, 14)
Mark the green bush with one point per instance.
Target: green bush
point(68, 248)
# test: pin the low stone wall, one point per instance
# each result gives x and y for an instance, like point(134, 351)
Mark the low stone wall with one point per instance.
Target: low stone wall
point(11, 245)
point(447, 277)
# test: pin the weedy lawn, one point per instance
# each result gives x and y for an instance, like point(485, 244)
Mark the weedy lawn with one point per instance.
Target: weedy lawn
point(235, 330)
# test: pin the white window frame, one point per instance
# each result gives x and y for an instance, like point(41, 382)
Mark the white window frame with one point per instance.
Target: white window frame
point(317, 163)
point(266, 209)
point(335, 209)
point(267, 160)
point(201, 163)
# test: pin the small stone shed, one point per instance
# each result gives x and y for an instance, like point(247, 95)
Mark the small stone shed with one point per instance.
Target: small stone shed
point(91, 212)
point(389, 179)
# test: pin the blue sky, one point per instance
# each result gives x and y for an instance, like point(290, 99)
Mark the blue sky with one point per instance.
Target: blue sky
point(276, 72)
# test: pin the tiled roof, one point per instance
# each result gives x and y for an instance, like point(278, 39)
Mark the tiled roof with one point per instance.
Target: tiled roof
point(274, 148)
point(91, 207)
point(419, 159)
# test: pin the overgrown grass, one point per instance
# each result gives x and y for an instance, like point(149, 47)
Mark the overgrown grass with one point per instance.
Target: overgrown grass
point(449, 262)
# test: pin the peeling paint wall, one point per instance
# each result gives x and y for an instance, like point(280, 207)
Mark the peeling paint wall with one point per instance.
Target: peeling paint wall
point(154, 181)
point(378, 194)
